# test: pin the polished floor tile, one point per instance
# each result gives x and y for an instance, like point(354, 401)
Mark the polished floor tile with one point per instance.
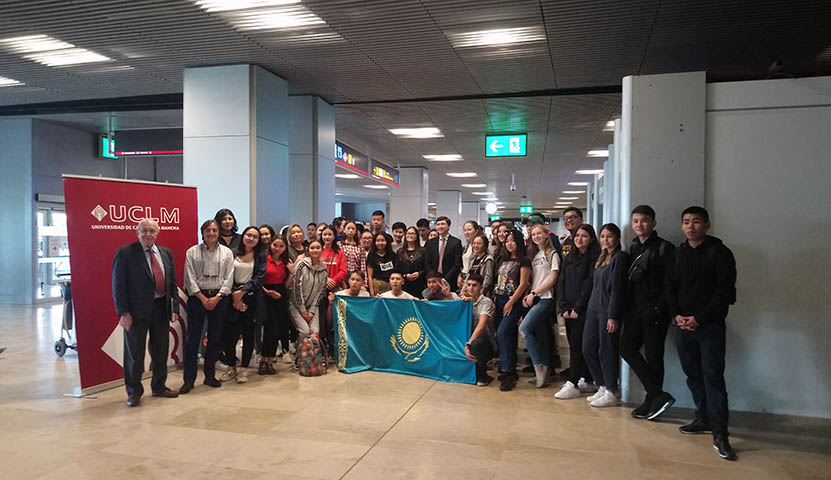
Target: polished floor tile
point(363, 426)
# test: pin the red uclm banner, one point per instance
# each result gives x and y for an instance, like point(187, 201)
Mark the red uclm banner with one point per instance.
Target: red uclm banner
point(101, 215)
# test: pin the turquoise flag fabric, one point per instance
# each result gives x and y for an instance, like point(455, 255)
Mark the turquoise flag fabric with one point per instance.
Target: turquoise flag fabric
point(426, 339)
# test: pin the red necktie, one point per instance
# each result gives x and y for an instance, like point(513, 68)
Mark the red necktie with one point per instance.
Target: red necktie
point(158, 275)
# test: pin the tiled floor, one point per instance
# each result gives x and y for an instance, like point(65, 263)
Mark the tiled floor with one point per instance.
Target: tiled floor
point(362, 426)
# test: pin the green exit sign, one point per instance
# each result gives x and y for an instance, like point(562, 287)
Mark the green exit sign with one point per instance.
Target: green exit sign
point(526, 209)
point(506, 145)
point(495, 218)
point(107, 147)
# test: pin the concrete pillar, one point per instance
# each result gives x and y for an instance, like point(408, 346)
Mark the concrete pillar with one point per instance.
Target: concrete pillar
point(312, 160)
point(18, 274)
point(236, 142)
point(470, 211)
point(449, 204)
point(408, 202)
point(661, 147)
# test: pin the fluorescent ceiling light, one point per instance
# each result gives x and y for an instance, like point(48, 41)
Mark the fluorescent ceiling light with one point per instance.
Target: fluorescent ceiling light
point(450, 157)
point(573, 191)
point(610, 126)
point(420, 132)
point(563, 203)
point(497, 37)
point(589, 172)
point(377, 187)
point(598, 153)
point(225, 5)
point(492, 199)
point(10, 82)
point(482, 193)
point(49, 51)
point(578, 184)
point(569, 198)
point(347, 175)
point(431, 204)
point(474, 185)
point(338, 193)
point(461, 174)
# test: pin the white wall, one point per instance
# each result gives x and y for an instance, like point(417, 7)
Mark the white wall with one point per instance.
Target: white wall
point(768, 146)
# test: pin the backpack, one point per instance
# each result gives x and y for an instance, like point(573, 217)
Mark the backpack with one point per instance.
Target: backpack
point(310, 359)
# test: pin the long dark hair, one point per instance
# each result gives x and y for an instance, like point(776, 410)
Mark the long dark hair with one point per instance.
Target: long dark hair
point(335, 247)
point(221, 214)
point(356, 237)
point(606, 256)
point(284, 257)
point(374, 249)
point(521, 249)
point(259, 249)
point(593, 250)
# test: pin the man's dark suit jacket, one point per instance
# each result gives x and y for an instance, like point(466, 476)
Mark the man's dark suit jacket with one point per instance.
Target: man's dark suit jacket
point(133, 285)
point(451, 262)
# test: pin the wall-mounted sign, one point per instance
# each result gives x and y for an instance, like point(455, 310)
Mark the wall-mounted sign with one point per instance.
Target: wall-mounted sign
point(150, 142)
point(526, 209)
point(385, 173)
point(351, 159)
point(506, 145)
point(495, 218)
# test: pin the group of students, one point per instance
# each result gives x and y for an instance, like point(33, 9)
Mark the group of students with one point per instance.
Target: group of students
point(272, 289)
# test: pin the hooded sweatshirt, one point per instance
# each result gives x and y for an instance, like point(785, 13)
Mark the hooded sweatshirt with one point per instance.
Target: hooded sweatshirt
point(309, 285)
point(703, 283)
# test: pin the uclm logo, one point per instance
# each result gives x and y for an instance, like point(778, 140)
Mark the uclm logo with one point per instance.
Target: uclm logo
point(134, 213)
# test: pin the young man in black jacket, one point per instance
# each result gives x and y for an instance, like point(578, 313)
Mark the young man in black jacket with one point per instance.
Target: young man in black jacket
point(650, 270)
point(703, 286)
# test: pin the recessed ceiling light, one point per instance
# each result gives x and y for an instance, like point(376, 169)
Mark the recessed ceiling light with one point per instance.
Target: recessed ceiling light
point(338, 194)
point(262, 14)
point(49, 51)
point(450, 157)
point(610, 126)
point(569, 198)
point(431, 204)
point(461, 174)
point(482, 193)
point(347, 175)
point(474, 185)
point(589, 172)
point(563, 203)
point(10, 82)
point(421, 132)
point(573, 191)
point(578, 184)
point(497, 37)
point(598, 153)
point(492, 199)
point(377, 187)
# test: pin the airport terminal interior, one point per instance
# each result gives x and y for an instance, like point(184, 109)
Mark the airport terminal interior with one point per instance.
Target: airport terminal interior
point(175, 122)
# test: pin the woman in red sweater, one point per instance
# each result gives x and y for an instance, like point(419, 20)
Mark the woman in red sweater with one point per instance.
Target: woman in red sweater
point(276, 321)
point(335, 261)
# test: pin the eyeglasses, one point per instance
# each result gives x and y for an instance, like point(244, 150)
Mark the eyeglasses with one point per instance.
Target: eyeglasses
point(569, 218)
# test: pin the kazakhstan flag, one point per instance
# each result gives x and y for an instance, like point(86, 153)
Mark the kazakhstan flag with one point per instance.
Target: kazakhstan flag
point(426, 339)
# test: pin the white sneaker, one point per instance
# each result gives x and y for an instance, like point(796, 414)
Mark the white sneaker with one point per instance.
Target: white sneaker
point(228, 374)
point(586, 387)
point(600, 392)
point(287, 358)
point(541, 375)
point(608, 399)
point(567, 391)
point(242, 375)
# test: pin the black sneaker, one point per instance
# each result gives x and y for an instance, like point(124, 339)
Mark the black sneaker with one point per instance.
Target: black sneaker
point(643, 410)
point(212, 382)
point(484, 381)
point(508, 382)
point(725, 451)
point(660, 405)
point(696, 427)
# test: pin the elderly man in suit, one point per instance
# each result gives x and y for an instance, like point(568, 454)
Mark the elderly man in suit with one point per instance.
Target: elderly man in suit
point(444, 254)
point(146, 298)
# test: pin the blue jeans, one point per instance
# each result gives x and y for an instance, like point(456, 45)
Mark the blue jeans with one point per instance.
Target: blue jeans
point(506, 333)
point(536, 329)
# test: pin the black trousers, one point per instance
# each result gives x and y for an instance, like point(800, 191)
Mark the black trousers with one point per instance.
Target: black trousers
point(196, 320)
point(135, 345)
point(577, 368)
point(483, 350)
point(702, 355)
point(646, 327)
point(600, 349)
point(240, 323)
point(276, 321)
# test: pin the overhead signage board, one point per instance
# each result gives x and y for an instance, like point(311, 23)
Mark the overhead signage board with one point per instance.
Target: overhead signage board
point(384, 173)
point(351, 159)
point(150, 142)
point(506, 145)
point(495, 218)
point(526, 209)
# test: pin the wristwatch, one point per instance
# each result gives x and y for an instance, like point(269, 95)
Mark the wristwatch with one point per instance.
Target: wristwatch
point(534, 293)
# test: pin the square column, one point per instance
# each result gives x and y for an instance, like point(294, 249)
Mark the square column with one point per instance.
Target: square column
point(449, 204)
point(312, 160)
point(408, 202)
point(236, 142)
point(18, 276)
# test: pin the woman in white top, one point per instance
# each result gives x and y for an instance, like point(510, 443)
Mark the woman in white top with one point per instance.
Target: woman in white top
point(470, 230)
point(536, 327)
point(249, 273)
point(397, 287)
